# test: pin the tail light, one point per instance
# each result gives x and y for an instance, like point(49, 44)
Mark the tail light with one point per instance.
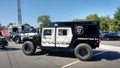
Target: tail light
point(98, 41)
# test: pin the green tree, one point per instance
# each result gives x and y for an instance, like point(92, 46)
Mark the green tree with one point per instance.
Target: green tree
point(10, 23)
point(76, 20)
point(45, 19)
point(103, 24)
point(117, 14)
point(117, 25)
point(106, 24)
point(92, 17)
point(117, 19)
point(111, 25)
point(26, 24)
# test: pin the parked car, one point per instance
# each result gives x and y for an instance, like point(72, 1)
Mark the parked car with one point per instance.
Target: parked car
point(110, 36)
point(19, 37)
point(118, 34)
point(103, 35)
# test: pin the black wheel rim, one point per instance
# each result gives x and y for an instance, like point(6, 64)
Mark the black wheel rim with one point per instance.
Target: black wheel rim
point(83, 52)
point(27, 48)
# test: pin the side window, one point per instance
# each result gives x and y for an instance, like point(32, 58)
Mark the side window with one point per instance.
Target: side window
point(47, 32)
point(33, 30)
point(62, 32)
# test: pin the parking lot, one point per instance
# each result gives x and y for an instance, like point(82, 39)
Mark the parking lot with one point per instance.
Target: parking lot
point(13, 57)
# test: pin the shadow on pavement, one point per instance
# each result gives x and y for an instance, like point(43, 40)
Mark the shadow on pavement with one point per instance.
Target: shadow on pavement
point(109, 55)
point(59, 53)
point(40, 53)
point(9, 49)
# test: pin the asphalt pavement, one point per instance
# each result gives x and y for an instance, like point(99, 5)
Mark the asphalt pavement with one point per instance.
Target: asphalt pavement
point(111, 43)
point(13, 57)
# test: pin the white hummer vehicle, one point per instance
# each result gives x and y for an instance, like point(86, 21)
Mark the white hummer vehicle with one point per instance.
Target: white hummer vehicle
point(82, 37)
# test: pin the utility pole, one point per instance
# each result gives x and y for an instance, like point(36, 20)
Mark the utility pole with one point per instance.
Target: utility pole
point(19, 13)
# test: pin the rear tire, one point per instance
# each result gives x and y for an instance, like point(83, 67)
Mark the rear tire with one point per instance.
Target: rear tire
point(28, 48)
point(83, 52)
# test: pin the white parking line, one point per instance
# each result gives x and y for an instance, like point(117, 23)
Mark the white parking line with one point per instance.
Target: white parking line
point(79, 60)
point(100, 53)
point(70, 64)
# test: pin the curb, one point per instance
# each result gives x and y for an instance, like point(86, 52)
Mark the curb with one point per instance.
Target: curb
point(111, 48)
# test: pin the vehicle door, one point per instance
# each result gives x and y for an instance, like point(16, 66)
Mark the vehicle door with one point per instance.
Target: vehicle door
point(63, 36)
point(48, 37)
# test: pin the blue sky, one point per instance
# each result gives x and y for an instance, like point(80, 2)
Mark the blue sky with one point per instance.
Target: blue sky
point(58, 10)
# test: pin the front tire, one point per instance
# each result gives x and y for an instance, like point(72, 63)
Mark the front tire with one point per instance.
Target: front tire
point(83, 52)
point(28, 48)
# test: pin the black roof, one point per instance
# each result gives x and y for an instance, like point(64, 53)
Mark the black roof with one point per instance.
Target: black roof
point(64, 24)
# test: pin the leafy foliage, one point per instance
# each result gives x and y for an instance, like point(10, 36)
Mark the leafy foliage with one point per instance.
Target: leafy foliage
point(26, 24)
point(117, 19)
point(45, 19)
point(76, 20)
point(117, 14)
point(106, 23)
point(92, 17)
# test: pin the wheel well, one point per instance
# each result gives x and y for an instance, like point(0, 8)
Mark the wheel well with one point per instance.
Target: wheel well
point(83, 41)
point(34, 41)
